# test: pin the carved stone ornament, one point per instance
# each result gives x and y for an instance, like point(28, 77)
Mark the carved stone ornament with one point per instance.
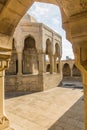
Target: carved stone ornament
point(3, 119)
point(83, 4)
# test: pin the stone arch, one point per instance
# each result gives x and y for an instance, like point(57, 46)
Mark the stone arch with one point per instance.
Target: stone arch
point(13, 64)
point(48, 68)
point(75, 71)
point(29, 42)
point(30, 62)
point(66, 70)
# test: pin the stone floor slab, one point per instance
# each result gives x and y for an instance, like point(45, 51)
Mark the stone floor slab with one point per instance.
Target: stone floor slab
point(55, 109)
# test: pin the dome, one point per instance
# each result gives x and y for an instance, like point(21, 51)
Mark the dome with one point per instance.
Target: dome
point(27, 19)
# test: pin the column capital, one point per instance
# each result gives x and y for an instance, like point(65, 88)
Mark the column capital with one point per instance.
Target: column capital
point(4, 65)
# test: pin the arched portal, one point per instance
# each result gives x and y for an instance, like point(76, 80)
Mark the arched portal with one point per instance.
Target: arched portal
point(13, 64)
point(66, 70)
point(30, 63)
point(75, 71)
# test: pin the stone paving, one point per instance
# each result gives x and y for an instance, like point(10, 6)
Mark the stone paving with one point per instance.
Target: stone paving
point(55, 109)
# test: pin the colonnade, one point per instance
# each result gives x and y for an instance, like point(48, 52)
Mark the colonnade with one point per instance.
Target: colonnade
point(70, 70)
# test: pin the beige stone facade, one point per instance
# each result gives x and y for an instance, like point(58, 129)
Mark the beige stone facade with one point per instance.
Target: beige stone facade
point(68, 69)
point(33, 44)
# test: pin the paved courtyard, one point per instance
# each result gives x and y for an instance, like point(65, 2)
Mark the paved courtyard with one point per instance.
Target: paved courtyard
point(55, 109)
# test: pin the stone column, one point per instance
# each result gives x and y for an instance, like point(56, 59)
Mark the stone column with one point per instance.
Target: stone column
point(85, 105)
point(4, 122)
point(81, 63)
point(85, 98)
point(51, 63)
point(55, 64)
point(59, 65)
point(32, 64)
point(19, 63)
point(41, 63)
point(45, 65)
point(71, 74)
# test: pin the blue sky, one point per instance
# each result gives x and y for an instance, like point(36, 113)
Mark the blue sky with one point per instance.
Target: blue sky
point(50, 15)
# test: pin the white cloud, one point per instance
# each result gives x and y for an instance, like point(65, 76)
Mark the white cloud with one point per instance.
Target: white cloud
point(55, 21)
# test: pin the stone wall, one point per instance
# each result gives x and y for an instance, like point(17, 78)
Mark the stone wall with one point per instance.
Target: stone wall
point(24, 83)
point(10, 83)
point(75, 78)
point(31, 83)
point(51, 80)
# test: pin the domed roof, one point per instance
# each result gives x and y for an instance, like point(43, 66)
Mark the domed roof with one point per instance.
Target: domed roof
point(27, 19)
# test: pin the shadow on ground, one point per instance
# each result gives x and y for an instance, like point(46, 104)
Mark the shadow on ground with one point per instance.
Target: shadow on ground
point(16, 94)
point(73, 119)
point(71, 84)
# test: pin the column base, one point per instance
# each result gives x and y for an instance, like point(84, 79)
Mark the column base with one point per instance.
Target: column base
point(4, 122)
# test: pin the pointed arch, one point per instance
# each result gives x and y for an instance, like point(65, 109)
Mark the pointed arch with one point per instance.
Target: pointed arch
point(66, 70)
point(76, 71)
point(30, 61)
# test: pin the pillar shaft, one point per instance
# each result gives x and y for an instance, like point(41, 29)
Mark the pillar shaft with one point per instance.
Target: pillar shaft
point(4, 123)
point(71, 73)
point(85, 98)
point(41, 63)
point(51, 64)
point(1, 92)
point(59, 66)
point(85, 105)
point(55, 65)
point(20, 63)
